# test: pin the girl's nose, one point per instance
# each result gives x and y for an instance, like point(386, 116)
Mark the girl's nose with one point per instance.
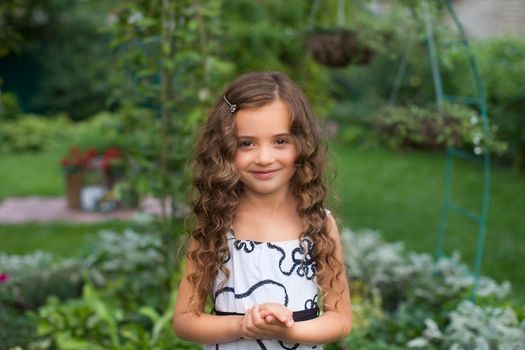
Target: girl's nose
point(264, 156)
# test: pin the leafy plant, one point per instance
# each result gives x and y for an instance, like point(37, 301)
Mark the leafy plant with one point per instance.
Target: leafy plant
point(409, 277)
point(456, 126)
point(472, 327)
point(15, 329)
point(95, 322)
point(500, 61)
point(9, 107)
point(414, 288)
point(29, 133)
point(134, 262)
point(32, 278)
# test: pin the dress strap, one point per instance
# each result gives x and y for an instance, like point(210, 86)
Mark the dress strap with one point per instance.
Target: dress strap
point(230, 234)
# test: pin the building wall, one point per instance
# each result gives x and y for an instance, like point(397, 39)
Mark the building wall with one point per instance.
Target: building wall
point(491, 18)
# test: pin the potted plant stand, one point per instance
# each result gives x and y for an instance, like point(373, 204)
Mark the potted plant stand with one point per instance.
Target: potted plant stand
point(74, 181)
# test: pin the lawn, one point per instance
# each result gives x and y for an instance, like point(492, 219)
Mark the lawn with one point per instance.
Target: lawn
point(398, 194)
point(31, 174)
point(63, 239)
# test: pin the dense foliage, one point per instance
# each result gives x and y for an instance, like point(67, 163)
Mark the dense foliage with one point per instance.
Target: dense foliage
point(400, 298)
point(61, 50)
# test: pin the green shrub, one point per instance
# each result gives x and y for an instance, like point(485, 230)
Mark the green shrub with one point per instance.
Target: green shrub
point(15, 329)
point(27, 282)
point(100, 131)
point(419, 296)
point(30, 132)
point(502, 69)
point(471, 326)
point(33, 133)
point(32, 278)
point(95, 322)
point(9, 107)
point(135, 261)
point(428, 128)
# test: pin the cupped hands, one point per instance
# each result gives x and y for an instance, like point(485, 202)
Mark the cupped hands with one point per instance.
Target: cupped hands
point(266, 321)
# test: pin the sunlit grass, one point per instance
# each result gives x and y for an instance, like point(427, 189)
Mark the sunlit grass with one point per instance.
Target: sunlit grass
point(62, 239)
point(400, 195)
point(31, 174)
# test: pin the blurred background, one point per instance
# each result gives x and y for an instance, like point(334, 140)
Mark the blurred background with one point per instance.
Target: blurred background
point(100, 103)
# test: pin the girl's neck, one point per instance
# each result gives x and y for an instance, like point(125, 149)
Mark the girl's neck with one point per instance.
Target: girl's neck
point(270, 203)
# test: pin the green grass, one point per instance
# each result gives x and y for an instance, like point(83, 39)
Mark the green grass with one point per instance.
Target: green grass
point(31, 174)
point(62, 239)
point(400, 195)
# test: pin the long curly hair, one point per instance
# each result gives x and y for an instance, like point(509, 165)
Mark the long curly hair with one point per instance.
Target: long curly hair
point(217, 188)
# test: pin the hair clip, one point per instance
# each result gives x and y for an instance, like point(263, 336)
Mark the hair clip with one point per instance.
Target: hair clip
point(233, 106)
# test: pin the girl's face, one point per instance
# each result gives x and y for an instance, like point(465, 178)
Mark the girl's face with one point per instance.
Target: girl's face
point(265, 154)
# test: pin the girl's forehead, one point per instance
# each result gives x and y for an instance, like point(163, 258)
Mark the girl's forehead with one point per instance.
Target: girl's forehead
point(271, 119)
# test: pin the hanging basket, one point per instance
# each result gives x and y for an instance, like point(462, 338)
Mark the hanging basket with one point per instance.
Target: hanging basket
point(338, 48)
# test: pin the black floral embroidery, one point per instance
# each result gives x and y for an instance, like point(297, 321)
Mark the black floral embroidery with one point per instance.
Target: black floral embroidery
point(288, 347)
point(247, 246)
point(252, 289)
point(311, 303)
point(261, 344)
point(302, 258)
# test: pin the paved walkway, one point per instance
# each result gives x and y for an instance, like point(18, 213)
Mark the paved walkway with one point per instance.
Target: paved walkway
point(45, 209)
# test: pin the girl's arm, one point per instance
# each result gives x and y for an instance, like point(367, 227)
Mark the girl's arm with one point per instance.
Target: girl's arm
point(332, 325)
point(201, 328)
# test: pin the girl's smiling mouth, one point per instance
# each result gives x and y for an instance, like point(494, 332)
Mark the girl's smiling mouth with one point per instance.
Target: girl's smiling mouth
point(264, 174)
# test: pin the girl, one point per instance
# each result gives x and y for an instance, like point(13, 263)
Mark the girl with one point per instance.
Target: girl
point(263, 246)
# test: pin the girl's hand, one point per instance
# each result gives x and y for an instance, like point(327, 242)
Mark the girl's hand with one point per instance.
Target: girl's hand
point(277, 314)
point(255, 326)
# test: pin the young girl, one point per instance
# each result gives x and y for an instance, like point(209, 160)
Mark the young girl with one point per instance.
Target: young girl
point(263, 247)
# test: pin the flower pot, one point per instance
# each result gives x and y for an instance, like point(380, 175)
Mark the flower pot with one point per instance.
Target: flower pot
point(337, 48)
point(90, 197)
point(73, 189)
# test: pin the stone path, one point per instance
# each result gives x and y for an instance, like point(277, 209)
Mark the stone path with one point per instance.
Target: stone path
point(45, 209)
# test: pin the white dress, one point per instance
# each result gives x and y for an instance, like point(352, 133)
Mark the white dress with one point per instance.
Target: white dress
point(267, 272)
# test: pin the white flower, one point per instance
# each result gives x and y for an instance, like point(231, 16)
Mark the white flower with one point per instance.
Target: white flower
point(478, 150)
point(135, 17)
point(473, 119)
point(477, 138)
point(432, 330)
point(418, 343)
point(204, 94)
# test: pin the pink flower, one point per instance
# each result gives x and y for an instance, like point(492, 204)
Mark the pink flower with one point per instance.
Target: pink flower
point(4, 277)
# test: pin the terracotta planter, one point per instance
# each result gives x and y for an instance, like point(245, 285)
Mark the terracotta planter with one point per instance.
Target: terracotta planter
point(337, 48)
point(73, 189)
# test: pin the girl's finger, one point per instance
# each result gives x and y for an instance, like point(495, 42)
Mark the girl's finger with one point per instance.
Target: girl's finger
point(256, 315)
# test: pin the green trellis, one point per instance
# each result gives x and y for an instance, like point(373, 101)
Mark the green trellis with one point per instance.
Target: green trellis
point(478, 101)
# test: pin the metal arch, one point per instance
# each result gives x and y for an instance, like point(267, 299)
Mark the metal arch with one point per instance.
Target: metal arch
point(480, 101)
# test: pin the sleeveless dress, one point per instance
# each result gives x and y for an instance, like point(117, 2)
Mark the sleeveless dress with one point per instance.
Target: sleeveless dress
point(267, 272)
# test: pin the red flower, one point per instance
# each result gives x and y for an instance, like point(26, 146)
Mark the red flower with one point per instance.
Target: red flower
point(112, 152)
point(91, 153)
point(4, 277)
point(78, 160)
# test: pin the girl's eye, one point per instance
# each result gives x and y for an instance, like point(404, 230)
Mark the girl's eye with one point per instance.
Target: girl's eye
point(245, 143)
point(282, 141)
